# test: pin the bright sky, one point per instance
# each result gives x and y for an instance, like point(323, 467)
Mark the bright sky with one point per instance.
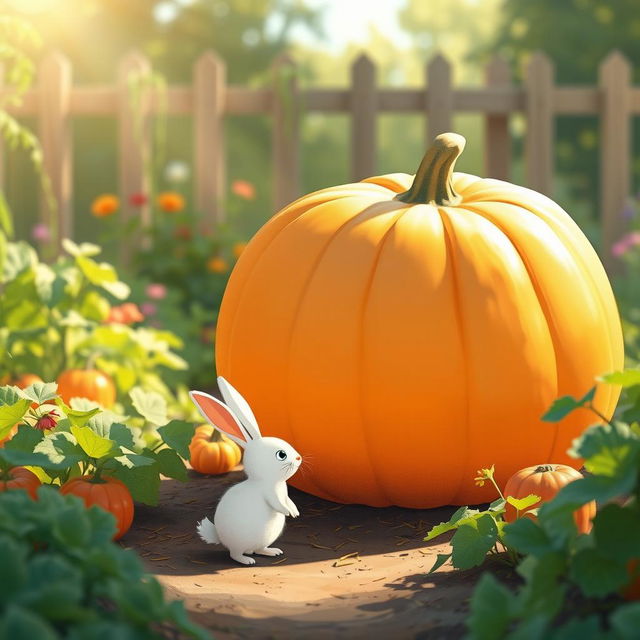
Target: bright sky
point(348, 21)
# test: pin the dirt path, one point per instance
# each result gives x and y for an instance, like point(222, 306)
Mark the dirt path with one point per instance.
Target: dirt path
point(384, 592)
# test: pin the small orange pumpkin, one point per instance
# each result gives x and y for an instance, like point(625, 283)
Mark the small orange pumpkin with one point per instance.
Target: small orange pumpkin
point(87, 383)
point(212, 452)
point(108, 493)
point(20, 478)
point(26, 380)
point(546, 480)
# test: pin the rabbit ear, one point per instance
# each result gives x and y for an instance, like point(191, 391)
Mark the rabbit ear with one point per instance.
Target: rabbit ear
point(220, 416)
point(240, 407)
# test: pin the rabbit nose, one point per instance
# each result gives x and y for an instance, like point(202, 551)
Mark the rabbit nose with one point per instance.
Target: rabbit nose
point(297, 457)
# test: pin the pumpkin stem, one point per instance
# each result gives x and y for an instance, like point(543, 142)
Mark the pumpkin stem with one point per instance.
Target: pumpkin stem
point(544, 467)
point(433, 183)
point(216, 436)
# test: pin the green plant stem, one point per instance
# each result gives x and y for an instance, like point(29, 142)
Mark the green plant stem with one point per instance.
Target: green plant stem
point(497, 487)
point(594, 410)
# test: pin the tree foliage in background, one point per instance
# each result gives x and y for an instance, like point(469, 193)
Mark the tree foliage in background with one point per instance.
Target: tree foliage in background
point(577, 35)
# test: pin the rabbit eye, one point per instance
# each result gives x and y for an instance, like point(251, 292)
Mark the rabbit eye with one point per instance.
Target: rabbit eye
point(281, 455)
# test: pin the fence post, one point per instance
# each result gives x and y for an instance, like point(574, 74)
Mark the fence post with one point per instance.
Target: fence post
point(615, 151)
point(54, 89)
point(363, 118)
point(497, 142)
point(2, 145)
point(209, 87)
point(439, 97)
point(133, 141)
point(540, 130)
point(285, 132)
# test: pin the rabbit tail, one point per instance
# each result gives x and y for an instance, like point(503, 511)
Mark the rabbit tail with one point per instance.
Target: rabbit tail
point(207, 531)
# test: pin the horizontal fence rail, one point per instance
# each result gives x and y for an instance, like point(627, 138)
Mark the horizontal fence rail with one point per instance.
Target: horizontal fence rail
point(54, 101)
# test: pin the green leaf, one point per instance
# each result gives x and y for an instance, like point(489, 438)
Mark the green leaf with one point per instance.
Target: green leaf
point(20, 257)
point(83, 249)
point(21, 624)
point(596, 574)
point(118, 290)
point(178, 435)
point(526, 536)
point(25, 439)
point(472, 541)
point(61, 449)
point(150, 405)
point(11, 414)
point(142, 482)
point(129, 460)
point(96, 273)
point(563, 406)
point(520, 504)
point(41, 392)
point(543, 593)
point(76, 417)
point(10, 395)
point(626, 378)
point(6, 219)
point(121, 435)
point(491, 609)
point(498, 505)
point(14, 458)
point(607, 448)
point(170, 464)
point(440, 560)
point(13, 567)
point(625, 620)
point(617, 532)
point(92, 444)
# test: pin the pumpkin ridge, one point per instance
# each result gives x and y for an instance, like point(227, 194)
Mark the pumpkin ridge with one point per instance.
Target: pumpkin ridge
point(247, 276)
point(294, 321)
point(538, 292)
point(361, 346)
point(446, 227)
point(566, 237)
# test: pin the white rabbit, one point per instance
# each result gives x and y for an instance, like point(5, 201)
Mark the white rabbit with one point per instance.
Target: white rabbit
point(250, 515)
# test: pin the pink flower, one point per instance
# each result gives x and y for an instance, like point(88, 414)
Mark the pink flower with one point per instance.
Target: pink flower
point(41, 232)
point(625, 243)
point(148, 308)
point(156, 291)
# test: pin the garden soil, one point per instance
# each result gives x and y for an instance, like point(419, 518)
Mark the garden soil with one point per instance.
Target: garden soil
point(348, 571)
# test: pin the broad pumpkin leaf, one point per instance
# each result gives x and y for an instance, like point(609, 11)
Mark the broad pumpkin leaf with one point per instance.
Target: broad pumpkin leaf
point(170, 464)
point(491, 608)
point(11, 414)
point(78, 418)
point(150, 405)
point(526, 536)
point(520, 504)
point(84, 249)
point(142, 482)
point(178, 435)
point(13, 567)
point(92, 444)
point(121, 435)
point(129, 459)
point(62, 450)
point(41, 392)
point(20, 257)
point(13, 458)
point(96, 273)
point(49, 286)
point(617, 532)
point(10, 395)
point(596, 574)
point(21, 624)
point(472, 541)
point(543, 593)
point(25, 439)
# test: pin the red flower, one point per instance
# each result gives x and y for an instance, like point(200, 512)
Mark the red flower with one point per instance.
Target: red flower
point(138, 199)
point(244, 189)
point(183, 232)
point(47, 421)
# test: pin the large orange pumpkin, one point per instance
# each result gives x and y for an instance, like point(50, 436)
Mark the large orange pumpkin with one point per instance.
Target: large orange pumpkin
point(445, 312)
point(108, 493)
point(87, 383)
point(545, 480)
point(211, 452)
point(20, 478)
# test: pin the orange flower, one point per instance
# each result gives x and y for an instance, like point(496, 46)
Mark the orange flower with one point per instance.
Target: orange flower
point(105, 205)
point(244, 189)
point(217, 265)
point(126, 313)
point(170, 201)
point(238, 248)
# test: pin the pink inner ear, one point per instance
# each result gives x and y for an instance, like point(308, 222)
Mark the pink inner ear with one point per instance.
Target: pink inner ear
point(218, 414)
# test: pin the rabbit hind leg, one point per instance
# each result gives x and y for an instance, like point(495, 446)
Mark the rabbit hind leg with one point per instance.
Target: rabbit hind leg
point(269, 551)
point(239, 556)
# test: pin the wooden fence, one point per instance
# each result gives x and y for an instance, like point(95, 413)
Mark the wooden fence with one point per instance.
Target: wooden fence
point(55, 100)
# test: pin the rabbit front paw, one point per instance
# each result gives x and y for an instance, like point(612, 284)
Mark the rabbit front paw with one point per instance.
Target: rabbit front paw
point(293, 510)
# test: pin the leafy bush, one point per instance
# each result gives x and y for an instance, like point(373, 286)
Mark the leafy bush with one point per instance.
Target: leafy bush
point(572, 584)
point(62, 577)
point(83, 439)
point(57, 316)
